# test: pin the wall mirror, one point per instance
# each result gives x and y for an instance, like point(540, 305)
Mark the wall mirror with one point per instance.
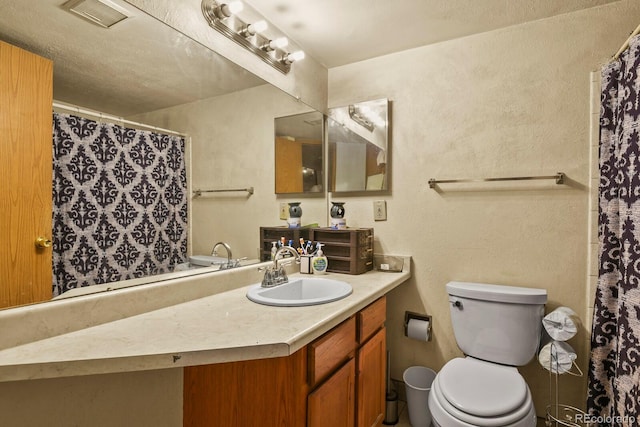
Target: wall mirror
point(140, 66)
point(299, 160)
point(358, 138)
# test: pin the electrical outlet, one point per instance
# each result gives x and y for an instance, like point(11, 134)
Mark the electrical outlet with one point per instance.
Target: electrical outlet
point(284, 211)
point(380, 210)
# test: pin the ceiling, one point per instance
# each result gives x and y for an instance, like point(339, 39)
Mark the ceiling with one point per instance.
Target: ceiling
point(142, 65)
point(136, 66)
point(339, 32)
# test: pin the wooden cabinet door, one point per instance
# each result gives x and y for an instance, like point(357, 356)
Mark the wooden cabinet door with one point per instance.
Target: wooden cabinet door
point(26, 99)
point(332, 404)
point(264, 392)
point(371, 381)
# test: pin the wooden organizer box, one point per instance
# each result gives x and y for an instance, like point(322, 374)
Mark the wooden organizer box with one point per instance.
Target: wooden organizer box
point(273, 234)
point(348, 251)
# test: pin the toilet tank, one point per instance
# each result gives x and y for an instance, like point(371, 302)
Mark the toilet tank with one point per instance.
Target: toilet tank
point(496, 323)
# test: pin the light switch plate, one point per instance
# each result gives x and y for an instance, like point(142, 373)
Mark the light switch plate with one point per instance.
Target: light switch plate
point(380, 210)
point(284, 211)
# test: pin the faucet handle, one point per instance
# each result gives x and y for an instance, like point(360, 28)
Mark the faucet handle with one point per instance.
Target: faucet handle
point(282, 274)
point(268, 279)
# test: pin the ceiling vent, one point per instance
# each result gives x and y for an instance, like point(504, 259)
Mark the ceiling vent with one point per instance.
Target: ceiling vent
point(101, 12)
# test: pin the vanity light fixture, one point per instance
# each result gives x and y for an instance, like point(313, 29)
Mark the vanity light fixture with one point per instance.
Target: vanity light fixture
point(223, 18)
point(359, 118)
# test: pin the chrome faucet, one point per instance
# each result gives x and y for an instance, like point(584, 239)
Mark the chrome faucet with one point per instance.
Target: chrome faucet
point(275, 274)
point(214, 252)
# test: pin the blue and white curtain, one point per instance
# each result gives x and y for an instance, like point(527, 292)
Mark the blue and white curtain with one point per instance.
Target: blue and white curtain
point(119, 202)
point(614, 366)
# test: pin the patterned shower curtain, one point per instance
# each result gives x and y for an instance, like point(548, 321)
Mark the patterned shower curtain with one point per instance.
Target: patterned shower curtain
point(120, 202)
point(614, 367)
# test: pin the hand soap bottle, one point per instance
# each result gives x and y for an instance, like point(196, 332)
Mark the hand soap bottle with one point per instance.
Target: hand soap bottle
point(319, 262)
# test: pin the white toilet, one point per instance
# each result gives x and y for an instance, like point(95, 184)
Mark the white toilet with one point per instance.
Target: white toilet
point(497, 328)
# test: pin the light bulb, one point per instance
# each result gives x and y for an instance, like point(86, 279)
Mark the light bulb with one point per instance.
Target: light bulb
point(259, 26)
point(296, 56)
point(292, 57)
point(225, 10)
point(251, 29)
point(278, 43)
point(235, 7)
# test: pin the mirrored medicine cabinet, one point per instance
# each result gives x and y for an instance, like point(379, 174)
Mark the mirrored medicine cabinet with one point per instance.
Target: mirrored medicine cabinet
point(357, 136)
point(358, 140)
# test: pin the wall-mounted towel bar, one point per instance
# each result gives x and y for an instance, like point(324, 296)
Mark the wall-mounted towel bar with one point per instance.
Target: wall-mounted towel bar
point(559, 178)
point(198, 193)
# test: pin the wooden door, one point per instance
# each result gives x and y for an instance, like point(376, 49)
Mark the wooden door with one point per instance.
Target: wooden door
point(288, 166)
point(371, 381)
point(26, 99)
point(332, 404)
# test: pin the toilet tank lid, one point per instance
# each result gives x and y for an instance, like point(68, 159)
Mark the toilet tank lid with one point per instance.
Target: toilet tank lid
point(498, 293)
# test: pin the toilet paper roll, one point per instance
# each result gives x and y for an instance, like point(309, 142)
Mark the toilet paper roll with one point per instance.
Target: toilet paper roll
point(418, 329)
point(561, 324)
point(557, 357)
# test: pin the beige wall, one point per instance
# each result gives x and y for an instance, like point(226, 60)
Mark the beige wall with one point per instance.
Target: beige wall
point(505, 103)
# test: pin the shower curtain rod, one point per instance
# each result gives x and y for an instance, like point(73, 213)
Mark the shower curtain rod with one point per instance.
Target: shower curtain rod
point(85, 111)
point(625, 45)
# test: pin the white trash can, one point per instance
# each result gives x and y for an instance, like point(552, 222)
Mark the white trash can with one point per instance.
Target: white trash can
point(418, 380)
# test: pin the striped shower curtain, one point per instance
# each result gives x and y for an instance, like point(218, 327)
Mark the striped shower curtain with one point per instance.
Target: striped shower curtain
point(119, 202)
point(614, 366)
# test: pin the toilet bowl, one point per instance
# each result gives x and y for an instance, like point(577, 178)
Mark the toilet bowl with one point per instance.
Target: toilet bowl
point(471, 392)
point(498, 328)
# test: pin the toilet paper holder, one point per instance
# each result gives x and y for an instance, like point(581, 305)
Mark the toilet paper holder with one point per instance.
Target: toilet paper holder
point(408, 315)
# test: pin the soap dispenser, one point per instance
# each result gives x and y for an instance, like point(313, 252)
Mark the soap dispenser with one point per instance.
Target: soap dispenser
point(274, 249)
point(319, 263)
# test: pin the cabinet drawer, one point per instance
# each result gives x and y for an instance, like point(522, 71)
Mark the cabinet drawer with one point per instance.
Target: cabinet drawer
point(371, 318)
point(331, 350)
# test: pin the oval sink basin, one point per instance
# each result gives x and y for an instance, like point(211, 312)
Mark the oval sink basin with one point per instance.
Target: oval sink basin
point(299, 292)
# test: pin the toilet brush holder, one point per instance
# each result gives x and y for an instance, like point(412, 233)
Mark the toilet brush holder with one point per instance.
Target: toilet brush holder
point(391, 409)
point(391, 404)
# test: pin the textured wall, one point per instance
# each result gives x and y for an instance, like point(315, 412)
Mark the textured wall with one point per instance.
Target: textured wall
point(505, 103)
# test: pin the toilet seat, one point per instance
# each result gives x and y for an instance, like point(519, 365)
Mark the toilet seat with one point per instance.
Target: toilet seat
point(482, 393)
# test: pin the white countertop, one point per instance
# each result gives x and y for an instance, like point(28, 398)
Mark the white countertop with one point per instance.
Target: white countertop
point(217, 328)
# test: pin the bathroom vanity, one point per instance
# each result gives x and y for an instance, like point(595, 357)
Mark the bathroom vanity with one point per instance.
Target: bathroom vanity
point(337, 380)
point(234, 355)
